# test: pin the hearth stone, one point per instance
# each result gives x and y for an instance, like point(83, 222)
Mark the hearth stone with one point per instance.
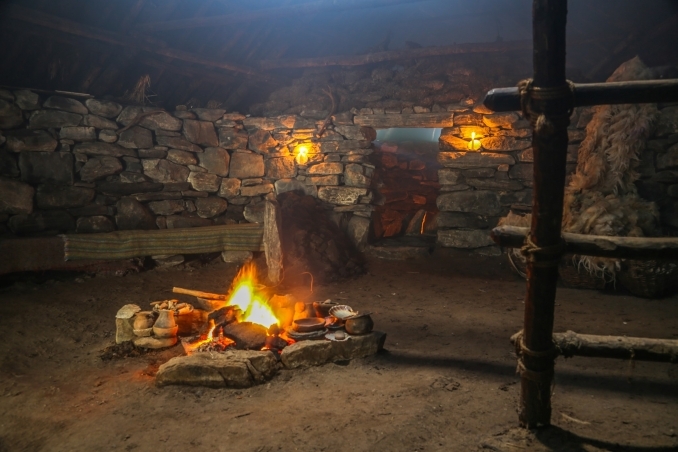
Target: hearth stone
point(315, 353)
point(230, 369)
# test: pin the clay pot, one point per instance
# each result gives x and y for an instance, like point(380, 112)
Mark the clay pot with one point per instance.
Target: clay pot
point(323, 309)
point(309, 324)
point(165, 319)
point(359, 324)
point(143, 320)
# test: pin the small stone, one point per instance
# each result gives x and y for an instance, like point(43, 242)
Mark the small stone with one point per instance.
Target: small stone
point(30, 140)
point(10, 115)
point(105, 108)
point(210, 207)
point(234, 116)
point(209, 114)
point(51, 197)
point(182, 114)
point(280, 168)
point(256, 190)
point(131, 214)
point(244, 165)
point(204, 182)
point(326, 169)
point(136, 138)
point(215, 160)
point(504, 144)
point(230, 188)
point(181, 157)
point(94, 224)
point(261, 141)
point(200, 132)
point(254, 213)
point(237, 257)
point(478, 201)
point(108, 136)
point(164, 171)
point(15, 197)
point(27, 100)
point(285, 185)
point(354, 176)
point(161, 121)
point(505, 120)
point(178, 143)
point(166, 207)
point(78, 133)
point(158, 152)
point(44, 119)
point(99, 148)
point(47, 167)
point(323, 180)
point(65, 104)
point(341, 195)
point(232, 139)
point(448, 176)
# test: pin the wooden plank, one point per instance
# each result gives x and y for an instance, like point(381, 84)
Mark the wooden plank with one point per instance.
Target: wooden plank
point(415, 120)
point(271, 13)
point(588, 94)
point(597, 245)
point(134, 42)
point(391, 55)
point(273, 241)
point(621, 347)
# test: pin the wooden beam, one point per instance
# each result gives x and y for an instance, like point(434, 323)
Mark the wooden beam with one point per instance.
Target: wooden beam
point(271, 13)
point(587, 94)
point(622, 347)
point(390, 55)
point(138, 42)
point(414, 120)
point(597, 245)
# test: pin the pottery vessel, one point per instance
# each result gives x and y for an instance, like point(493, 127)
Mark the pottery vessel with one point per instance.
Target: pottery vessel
point(143, 320)
point(359, 324)
point(165, 319)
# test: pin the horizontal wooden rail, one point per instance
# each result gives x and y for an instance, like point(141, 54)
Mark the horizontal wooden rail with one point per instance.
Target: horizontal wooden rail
point(597, 245)
point(587, 94)
point(622, 347)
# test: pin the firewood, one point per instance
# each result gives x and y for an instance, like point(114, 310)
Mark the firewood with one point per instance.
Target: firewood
point(199, 294)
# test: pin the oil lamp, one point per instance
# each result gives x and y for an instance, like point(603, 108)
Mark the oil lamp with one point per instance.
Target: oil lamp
point(301, 154)
point(474, 144)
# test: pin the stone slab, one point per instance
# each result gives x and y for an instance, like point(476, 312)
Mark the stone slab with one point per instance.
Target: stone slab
point(315, 353)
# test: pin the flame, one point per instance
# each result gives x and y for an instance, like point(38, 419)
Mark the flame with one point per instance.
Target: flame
point(254, 309)
point(423, 223)
point(301, 154)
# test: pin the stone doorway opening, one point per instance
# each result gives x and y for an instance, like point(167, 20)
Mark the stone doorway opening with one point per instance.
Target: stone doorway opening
point(406, 187)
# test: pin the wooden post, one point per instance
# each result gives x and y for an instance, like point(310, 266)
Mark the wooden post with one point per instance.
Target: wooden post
point(547, 104)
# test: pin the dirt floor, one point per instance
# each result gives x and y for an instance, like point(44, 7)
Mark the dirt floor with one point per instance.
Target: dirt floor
point(445, 383)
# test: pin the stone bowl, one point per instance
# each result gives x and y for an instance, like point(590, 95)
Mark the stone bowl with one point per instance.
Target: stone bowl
point(165, 332)
point(308, 325)
point(359, 324)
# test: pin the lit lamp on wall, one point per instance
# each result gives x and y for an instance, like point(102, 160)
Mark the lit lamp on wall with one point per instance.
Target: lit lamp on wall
point(474, 144)
point(301, 152)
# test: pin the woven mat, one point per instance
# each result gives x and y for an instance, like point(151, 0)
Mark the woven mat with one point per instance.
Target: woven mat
point(127, 244)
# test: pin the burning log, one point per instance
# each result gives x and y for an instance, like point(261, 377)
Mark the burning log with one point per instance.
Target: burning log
point(199, 294)
point(224, 316)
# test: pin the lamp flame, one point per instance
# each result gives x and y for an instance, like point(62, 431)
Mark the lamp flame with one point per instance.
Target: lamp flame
point(301, 154)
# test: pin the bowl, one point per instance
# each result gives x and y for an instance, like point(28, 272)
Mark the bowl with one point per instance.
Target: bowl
point(359, 324)
point(342, 312)
point(308, 324)
point(322, 308)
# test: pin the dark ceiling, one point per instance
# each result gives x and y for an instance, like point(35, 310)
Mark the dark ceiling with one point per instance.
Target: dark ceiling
point(229, 49)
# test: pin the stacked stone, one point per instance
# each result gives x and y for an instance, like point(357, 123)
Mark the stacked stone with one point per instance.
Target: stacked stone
point(480, 186)
point(659, 168)
point(96, 166)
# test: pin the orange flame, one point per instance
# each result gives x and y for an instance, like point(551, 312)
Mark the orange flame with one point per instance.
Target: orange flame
point(252, 305)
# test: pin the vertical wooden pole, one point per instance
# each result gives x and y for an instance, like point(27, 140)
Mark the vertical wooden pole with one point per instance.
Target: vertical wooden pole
point(549, 114)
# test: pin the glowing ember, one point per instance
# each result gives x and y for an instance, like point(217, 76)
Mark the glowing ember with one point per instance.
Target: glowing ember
point(254, 309)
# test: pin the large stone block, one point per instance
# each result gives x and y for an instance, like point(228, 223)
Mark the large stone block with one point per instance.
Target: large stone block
point(450, 177)
point(30, 140)
point(465, 160)
point(354, 176)
point(334, 179)
point(504, 144)
point(200, 132)
point(162, 121)
point(99, 122)
point(44, 119)
point(65, 104)
point(261, 141)
point(246, 165)
point(254, 213)
point(204, 182)
point(256, 190)
point(230, 188)
point(54, 220)
point(26, 100)
point(167, 206)
point(358, 230)
point(136, 138)
point(165, 171)
point(215, 161)
point(178, 143)
point(285, 185)
point(210, 207)
point(315, 353)
point(230, 138)
point(231, 369)
point(467, 239)
point(15, 197)
point(51, 197)
point(100, 148)
point(323, 169)
point(341, 195)
point(209, 114)
point(46, 167)
point(478, 201)
point(105, 108)
point(182, 157)
point(280, 168)
point(78, 133)
point(505, 120)
point(131, 214)
point(99, 168)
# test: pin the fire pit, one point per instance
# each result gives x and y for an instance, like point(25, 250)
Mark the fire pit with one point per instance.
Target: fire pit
point(244, 337)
